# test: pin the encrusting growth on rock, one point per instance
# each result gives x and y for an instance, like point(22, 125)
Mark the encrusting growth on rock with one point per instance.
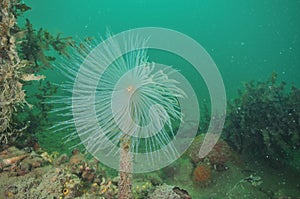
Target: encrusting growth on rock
point(12, 94)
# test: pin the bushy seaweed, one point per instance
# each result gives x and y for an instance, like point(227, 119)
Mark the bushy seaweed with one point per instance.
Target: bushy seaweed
point(264, 120)
point(36, 46)
point(23, 53)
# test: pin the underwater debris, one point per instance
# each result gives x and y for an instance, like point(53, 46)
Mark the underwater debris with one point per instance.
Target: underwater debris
point(253, 179)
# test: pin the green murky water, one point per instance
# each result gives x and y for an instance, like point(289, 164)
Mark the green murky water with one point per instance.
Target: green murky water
point(248, 40)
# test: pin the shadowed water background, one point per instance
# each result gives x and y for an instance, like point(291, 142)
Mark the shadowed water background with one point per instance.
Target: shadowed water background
point(248, 40)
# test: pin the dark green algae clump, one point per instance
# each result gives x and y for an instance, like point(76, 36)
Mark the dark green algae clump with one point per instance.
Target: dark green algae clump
point(263, 121)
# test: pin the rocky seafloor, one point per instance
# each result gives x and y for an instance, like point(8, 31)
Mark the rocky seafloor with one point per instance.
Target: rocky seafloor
point(34, 173)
